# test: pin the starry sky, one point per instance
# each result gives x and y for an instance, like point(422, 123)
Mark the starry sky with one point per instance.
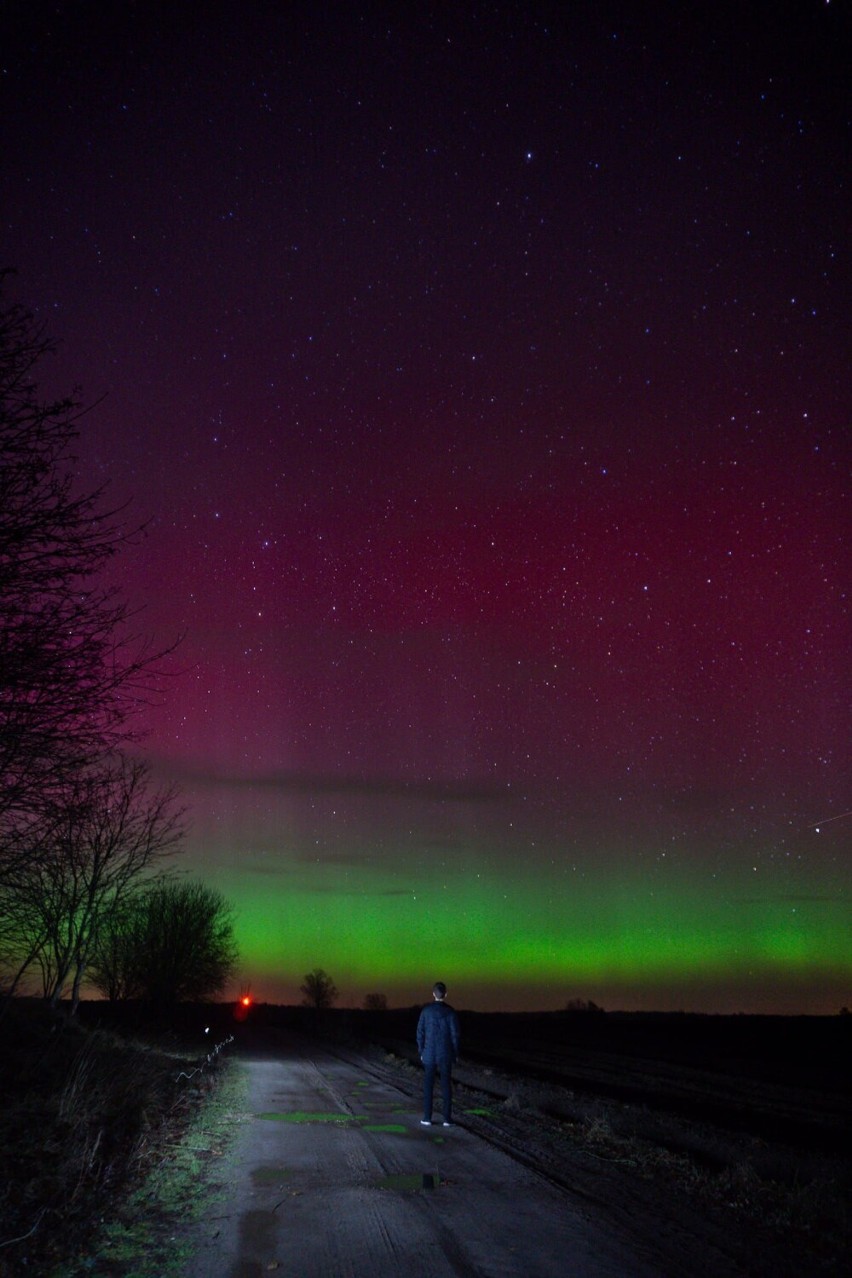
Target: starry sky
point(481, 373)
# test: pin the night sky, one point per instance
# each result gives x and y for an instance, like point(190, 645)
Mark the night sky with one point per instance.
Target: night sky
point(482, 372)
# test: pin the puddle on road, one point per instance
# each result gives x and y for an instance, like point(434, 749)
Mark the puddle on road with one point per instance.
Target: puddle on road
point(341, 1120)
point(402, 1182)
point(409, 1182)
point(269, 1175)
point(300, 1116)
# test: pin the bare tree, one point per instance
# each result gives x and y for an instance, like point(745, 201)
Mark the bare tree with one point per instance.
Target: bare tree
point(21, 936)
point(319, 990)
point(71, 672)
point(113, 967)
point(173, 942)
point(112, 829)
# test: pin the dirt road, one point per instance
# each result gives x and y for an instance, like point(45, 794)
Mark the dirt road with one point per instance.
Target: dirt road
point(330, 1174)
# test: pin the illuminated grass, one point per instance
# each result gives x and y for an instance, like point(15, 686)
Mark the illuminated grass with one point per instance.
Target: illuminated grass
point(145, 1241)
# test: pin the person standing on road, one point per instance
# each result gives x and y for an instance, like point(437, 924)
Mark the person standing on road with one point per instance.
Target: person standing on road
point(438, 1044)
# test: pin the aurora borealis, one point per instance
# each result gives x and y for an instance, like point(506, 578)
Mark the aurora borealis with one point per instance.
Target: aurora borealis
point(481, 375)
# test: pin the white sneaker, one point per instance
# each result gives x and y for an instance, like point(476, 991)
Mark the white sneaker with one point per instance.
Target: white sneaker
point(425, 1122)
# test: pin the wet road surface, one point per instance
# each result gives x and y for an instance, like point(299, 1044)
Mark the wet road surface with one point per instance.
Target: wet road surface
point(330, 1175)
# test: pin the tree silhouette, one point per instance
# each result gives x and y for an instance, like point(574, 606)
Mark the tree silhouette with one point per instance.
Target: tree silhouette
point(584, 1006)
point(172, 942)
point(111, 830)
point(376, 1003)
point(77, 823)
point(71, 674)
point(319, 989)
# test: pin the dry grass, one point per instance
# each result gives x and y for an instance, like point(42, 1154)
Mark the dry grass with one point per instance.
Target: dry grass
point(83, 1112)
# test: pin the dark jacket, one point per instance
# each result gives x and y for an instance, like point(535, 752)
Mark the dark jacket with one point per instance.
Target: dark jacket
point(438, 1034)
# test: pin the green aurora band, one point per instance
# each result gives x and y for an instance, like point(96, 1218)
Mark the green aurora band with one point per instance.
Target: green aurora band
point(538, 941)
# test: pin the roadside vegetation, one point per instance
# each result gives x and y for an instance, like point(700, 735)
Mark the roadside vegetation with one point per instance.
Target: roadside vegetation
point(89, 1114)
point(89, 896)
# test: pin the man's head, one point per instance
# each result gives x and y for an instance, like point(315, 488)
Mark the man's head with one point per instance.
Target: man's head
point(439, 991)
